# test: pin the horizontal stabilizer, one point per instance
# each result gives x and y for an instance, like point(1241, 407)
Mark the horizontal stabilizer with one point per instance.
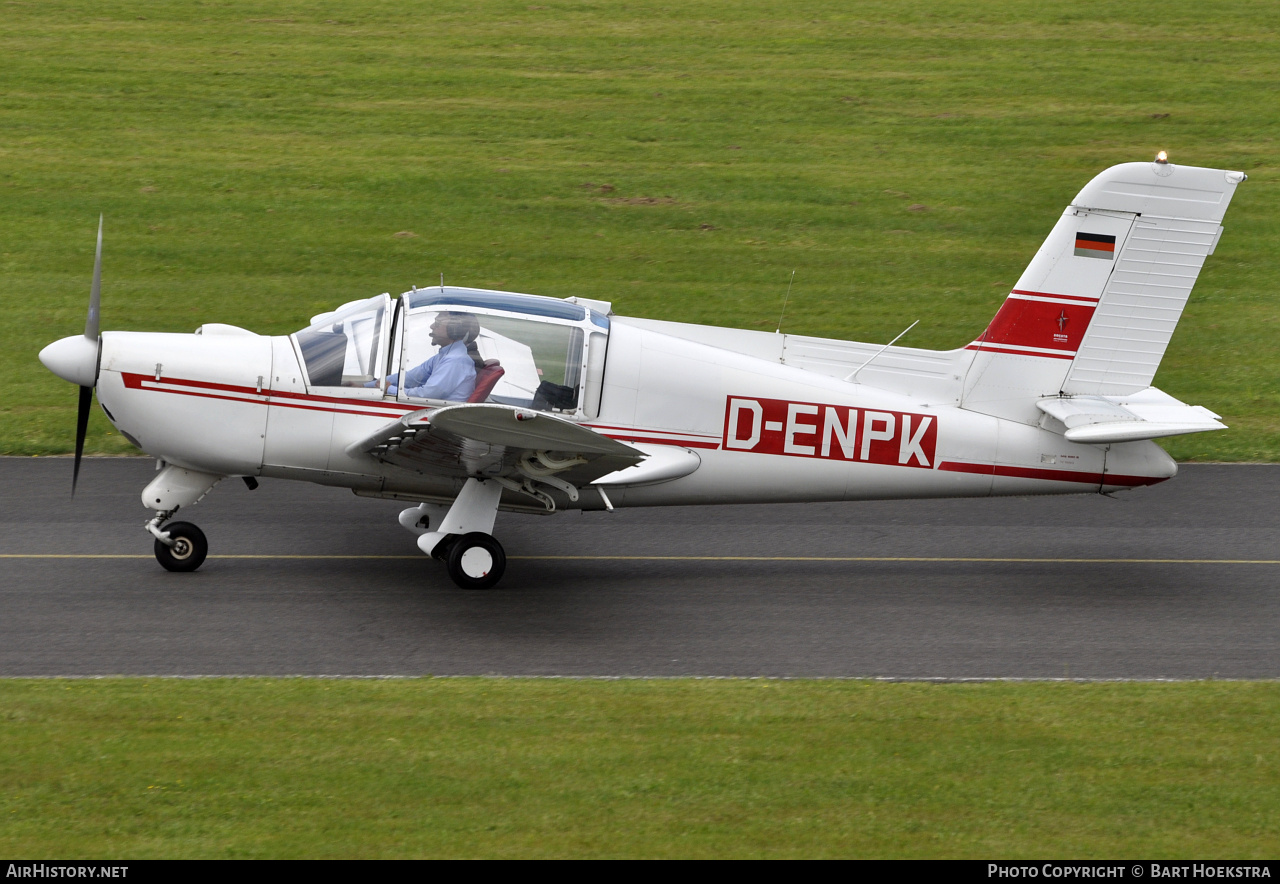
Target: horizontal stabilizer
point(1147, 414)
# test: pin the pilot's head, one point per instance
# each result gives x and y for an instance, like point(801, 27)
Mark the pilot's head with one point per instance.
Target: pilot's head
point(452, 325)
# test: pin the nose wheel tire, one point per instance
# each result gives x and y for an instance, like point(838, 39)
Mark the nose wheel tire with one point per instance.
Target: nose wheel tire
point(476, 561)
point(188, 550)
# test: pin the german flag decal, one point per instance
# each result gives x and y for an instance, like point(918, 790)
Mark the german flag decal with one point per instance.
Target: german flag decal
point(1095, 245)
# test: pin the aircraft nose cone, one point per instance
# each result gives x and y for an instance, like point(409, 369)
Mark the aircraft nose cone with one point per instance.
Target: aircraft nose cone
point(73, 359)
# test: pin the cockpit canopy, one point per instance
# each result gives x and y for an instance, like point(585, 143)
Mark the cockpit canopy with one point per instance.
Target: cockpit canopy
point(452, 344)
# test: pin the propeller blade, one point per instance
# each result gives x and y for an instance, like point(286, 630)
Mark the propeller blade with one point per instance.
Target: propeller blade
point(91, 330)
point(82, 426)
point(95, 293)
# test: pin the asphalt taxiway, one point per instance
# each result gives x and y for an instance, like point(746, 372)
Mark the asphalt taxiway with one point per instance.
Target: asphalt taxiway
point(1181, 580)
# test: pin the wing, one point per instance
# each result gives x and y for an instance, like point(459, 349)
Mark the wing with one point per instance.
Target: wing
point(529, 452)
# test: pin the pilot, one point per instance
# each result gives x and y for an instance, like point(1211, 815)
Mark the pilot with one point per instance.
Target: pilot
point(451, 373)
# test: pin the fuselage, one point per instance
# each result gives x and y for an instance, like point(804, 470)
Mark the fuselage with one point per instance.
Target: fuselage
point(234, 403)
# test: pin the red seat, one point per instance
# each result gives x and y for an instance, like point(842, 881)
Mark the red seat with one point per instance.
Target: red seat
point(486, 378)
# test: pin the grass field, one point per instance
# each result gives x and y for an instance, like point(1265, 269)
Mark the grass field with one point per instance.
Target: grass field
point(444, 767)
point(261, 162)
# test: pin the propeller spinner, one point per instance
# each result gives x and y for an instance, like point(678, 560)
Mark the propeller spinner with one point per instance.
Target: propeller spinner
point(76, 358)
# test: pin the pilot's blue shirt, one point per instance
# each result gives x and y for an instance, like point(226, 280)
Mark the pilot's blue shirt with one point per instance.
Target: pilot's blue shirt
point(450, 374)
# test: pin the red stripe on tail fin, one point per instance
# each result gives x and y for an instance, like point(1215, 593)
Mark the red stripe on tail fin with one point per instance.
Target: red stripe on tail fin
point(1035, 321)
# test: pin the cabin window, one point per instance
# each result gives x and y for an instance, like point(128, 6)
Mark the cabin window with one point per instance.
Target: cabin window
point(533, 363)
point(597, 343)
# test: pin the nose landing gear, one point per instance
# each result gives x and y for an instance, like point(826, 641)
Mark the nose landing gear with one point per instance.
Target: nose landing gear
point(180, 546)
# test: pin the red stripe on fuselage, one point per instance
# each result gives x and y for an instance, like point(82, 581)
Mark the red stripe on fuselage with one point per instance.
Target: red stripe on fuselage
point(990, 469)
point(640, 437)
point(304, 401)
point(666, 437)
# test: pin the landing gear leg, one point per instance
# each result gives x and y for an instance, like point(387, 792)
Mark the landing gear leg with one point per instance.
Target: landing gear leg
point(464, 538)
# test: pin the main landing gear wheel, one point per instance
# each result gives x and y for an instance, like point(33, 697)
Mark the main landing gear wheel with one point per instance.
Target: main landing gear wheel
point(188, 550)
point(476, 561)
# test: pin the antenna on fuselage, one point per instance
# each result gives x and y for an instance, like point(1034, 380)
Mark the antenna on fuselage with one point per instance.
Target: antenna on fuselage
point(881, 350)
point(442, 282)
point(784, 303)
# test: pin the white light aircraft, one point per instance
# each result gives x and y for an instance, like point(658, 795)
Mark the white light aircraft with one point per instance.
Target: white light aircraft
point(560, 404)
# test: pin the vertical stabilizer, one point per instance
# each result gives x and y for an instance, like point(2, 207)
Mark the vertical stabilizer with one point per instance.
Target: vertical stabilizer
point(1098, 304)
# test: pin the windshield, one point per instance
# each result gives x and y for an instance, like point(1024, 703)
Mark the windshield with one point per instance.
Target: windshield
point(340, 349)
